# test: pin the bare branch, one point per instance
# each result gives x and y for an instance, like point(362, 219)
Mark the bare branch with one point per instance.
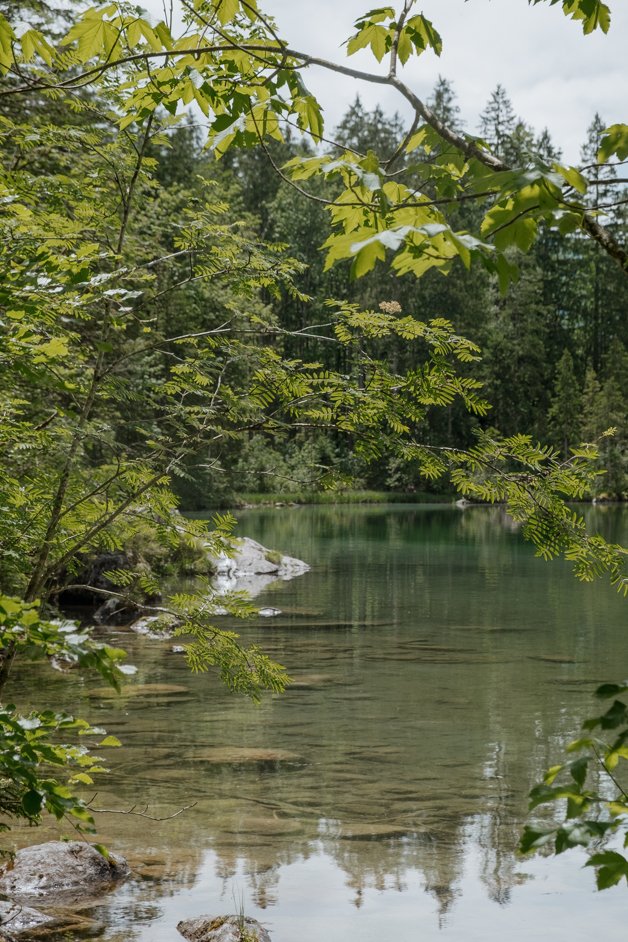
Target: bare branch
point(141, 814)
point(267, 54)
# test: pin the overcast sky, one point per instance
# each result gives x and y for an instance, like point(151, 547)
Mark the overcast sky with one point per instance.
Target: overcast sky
point(555, 76)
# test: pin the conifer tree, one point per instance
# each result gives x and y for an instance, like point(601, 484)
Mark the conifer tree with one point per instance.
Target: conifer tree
point(497, 121)
point(515, 332)
point(545, 147)
point(614, 450)
point(565, 408)
point(362, 131)
point(443, 103)
point(593, 407)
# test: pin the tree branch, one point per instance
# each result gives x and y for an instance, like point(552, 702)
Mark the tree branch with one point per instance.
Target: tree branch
point(267, 53)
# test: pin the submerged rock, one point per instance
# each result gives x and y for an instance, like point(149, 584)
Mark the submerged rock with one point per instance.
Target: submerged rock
point(309, 681)
point(60, 867)
point(16, 919)
point(262, 826)
point(243, 756)
point(223, 929)
point(137, 690)
point(369, 831)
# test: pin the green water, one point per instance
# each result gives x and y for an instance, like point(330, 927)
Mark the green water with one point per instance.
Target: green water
point(438, 668)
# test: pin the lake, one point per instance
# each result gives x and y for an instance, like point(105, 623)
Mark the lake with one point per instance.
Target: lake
point(439, 668)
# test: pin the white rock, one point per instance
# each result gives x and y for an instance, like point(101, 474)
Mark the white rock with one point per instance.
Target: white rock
point(252, 568)
point(59, 867)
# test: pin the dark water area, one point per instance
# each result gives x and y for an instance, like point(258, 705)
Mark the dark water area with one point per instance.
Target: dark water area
point(439, 668)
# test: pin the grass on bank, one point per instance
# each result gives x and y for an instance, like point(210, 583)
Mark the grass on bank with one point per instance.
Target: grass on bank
point(340, 497)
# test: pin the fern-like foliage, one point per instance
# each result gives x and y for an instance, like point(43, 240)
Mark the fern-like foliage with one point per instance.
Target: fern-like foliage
point(536, 485)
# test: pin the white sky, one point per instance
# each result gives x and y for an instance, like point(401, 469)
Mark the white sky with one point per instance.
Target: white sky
point(555, 76)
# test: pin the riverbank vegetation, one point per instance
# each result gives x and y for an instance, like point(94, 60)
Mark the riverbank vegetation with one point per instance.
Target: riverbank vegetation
point(173, 335)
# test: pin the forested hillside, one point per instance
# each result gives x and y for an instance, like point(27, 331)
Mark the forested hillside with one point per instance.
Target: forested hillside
point(553, 346)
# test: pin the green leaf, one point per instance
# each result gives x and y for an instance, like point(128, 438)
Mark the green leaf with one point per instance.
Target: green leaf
point(309, 115)
point(127, 120)
point(88, 33)
point(551, 774)
point(226, 10)
point(367, 257)
point(508, 224)
point(251, 10)
point(574, 178)
point(404, 46)
point(35, 43)
point(110, 741)
point(51, 350)
point(614, 143)
point(577, 744)
point(102, 850)
point(419, 139)
point(150, 35)
point(611, 690)
point(578, 770)
point(7, 37)
point(32, 803)
point(534, 838)
point(616, 715)
point(423, 35)
point(575, 806)
point(612, 867)
point(593, 14)
point(377, 37)
point(376, 16)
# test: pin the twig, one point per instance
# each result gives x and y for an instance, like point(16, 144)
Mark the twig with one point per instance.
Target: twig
point(142, 814)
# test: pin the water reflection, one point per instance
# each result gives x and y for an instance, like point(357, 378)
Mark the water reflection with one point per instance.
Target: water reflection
point(439, 667)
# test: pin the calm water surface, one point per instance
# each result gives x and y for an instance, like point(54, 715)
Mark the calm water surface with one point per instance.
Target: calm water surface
point(438, 669)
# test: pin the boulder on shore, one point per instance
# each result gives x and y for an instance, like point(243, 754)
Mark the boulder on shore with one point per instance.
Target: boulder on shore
point(59, 868)
point(223, 929)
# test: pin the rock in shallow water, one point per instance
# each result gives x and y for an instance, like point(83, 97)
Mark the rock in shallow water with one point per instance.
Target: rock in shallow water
point(60, 867)
point(16, 919)
point(246, 756)
point(253, 567)
point(137, 690)
point(251, 558)
point(223, 929)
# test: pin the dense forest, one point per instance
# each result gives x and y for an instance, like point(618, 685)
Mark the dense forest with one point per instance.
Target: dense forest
point(553, 347)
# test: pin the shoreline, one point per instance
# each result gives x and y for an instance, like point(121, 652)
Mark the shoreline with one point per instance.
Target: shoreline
point(252, 501)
